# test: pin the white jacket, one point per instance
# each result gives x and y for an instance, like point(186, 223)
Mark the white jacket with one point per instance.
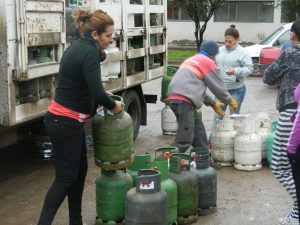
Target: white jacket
point(237, 58)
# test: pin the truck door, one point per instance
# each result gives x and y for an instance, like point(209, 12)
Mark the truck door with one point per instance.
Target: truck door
point(41, 32)
point(40, 28)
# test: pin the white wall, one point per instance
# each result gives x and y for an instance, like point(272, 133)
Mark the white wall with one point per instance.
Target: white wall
point(215, 30)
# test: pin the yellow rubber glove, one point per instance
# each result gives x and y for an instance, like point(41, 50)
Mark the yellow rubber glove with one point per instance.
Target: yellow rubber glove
point(217, 108)
point(234, 104)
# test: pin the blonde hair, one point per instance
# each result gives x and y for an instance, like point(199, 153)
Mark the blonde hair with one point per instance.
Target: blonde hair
point(88, 22)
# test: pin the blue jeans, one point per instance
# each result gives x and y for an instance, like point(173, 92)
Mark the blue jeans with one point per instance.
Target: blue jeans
point(239, 95)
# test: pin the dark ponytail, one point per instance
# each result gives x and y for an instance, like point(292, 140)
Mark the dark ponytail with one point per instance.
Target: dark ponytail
point(296, 29)
point(231, 31)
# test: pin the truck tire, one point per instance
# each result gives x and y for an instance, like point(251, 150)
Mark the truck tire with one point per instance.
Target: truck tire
point(133, 108)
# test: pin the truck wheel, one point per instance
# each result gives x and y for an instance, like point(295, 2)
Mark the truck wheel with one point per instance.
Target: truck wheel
point(133, 108)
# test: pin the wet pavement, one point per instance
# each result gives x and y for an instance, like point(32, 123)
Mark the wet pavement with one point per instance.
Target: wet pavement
point(247, 198)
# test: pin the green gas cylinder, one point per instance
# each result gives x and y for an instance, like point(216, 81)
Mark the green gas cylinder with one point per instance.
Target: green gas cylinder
point(130, 66)
point(153, 39)
point(153, 19)
point(270, 139)
point(207, 180)
point(168, 185)
point(187, 188)
point(111, 189)
point(141, 161)
point(113, 139)
point(161, 151)
point(139, 64)
point(17, 93)
point(171, 70)
point(43, 55)
point(151, 61)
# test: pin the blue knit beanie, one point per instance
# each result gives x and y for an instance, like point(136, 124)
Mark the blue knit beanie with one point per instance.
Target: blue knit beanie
point(211, 47)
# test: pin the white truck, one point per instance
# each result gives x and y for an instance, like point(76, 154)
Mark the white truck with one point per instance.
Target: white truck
point(33, 37)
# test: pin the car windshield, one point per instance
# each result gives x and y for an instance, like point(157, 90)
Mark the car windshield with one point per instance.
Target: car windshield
point(271, 37)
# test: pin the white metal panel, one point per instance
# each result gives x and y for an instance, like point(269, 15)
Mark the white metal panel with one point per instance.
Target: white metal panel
point(156, 9)
point(8, 60)
point(115, 85)
point(156, 30)
point(157, 49)
point(45, 38)
point(42, 70)
point(46, 6)
point(135, 53)
point(136, 79)
point(135, 31)
point(137, 9)
point(114, 10)
point(41, 23)
point(27, 111)
point(44, 22)
point(112, 57)
point(156, 73)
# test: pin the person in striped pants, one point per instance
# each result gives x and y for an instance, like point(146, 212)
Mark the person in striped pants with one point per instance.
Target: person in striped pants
point(280, 163)
point(285, 72)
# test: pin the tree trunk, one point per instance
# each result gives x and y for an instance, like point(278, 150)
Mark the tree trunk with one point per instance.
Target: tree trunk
point(203, 28)
point(197, 28)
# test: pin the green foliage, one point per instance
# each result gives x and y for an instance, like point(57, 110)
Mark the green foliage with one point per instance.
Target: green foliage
point(178, 55)
point(195, 9)
point(290, 9)
point(200, 10)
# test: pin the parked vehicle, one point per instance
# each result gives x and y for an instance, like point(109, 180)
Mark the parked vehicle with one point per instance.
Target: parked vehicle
point(266, 57)
point(33, 37)
point(276, 39)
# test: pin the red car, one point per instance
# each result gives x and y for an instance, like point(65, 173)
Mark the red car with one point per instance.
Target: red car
point(266, 57)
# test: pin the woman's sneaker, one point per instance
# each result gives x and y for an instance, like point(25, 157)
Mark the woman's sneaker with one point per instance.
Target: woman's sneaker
point(288, 220)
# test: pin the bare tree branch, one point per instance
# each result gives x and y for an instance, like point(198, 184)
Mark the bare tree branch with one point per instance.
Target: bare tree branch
point(200, 11)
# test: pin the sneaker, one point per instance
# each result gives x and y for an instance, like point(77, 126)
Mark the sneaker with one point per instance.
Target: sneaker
point(288, 220)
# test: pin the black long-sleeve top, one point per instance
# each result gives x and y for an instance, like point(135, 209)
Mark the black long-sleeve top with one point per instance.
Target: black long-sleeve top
point(285, 71)
point(79, 85)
